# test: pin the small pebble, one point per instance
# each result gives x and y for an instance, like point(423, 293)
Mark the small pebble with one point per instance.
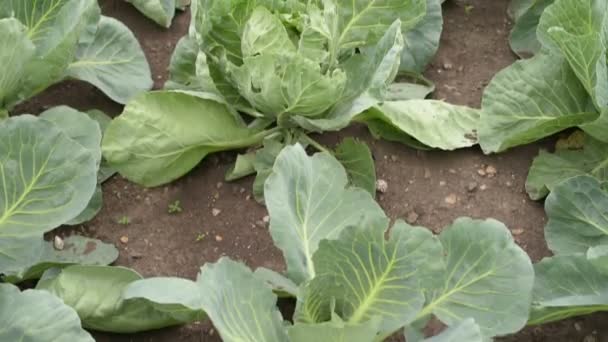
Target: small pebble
point(442, 183)
point(215, 211)
point(136, 255)
point(427, 173)
point(58, 243)
point(219, 238)
point(451, 199)
point(491, 171)
point(472, 186)
point(266, 219)
point(412, 217)
point(124, 239)
point(517, 231)
point(260, 224)
point(381, 186)
point(448, 66)
point(483, 187)
point(590, 338)
point(481, 172)
point(578, 326)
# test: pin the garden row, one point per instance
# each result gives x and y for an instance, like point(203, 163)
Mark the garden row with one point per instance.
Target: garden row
point(263, 76)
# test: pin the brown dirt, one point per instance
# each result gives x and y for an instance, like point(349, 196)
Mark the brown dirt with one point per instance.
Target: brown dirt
point(473, 48)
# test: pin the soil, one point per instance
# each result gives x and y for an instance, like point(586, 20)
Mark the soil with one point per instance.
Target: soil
point(428, 188)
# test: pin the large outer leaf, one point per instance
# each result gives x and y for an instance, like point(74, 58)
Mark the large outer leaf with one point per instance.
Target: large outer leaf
point(37, 316)
point(93, 208)
point(369, 74)
point(17, 252)
point(263, 163)
point(14, 57)
point(116, 299)
point(365, 276)
point(489, 278)
point(87, 132)
point(241, 307)
point(599, 127)
point(358, 161)
point(77, 250)
point(383, 130)
point(189, 69)
point(55, 27)
point(46, 177)
point(579, 30)
point(523, 35)
point(105, 171)
point(433, 123)
point(162, 135)
point(598, 256)
point(408, 90)
point(281, 285)
point(242, 167)
point(77, 126)
point(466, 330)
point(530, 100)
point(363, 22)
point(567, 286)
point(422, 41)
point(113, 62)
point(177, 298)
point(335, 331)
point(550, 169)
point(51, 22)
point(517, 8)
point(308, 202)
point(577, 216)
point(161, 11)
point(182, 67)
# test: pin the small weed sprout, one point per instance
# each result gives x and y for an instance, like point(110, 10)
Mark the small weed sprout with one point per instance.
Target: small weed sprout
point(125, 220)
point(201, 237)
point(174, 207)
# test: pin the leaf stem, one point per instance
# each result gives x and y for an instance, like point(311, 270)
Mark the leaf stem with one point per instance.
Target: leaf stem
point(315, 144)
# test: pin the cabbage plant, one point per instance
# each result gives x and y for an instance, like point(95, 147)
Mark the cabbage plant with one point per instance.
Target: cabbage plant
point(353, 277)
point(49, 168)
point(580, 155)
point(35, 315)
point(160, 11)
point(574, 281)
point(45, 42)
point(564, 85)
point(526, 14)
point(270, 73)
